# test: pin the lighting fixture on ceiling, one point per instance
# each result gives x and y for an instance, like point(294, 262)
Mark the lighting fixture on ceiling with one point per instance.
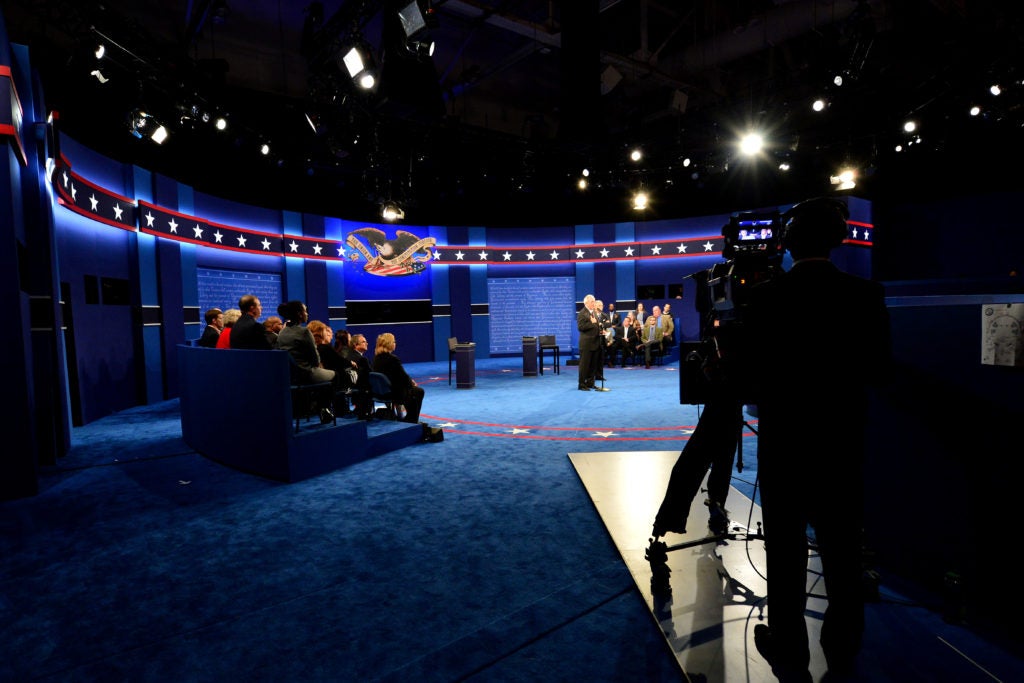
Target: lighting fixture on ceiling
point(391, 211)
point(142, 124)
point(641, 200)
point(414, 24)
point(358, 63)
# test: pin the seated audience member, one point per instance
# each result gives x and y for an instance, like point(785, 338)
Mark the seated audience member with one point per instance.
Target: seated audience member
point(668, 324)
point(341, 340)
point(356, 351)
point(404, 387)
point(249, 333)
point(271, 326)
point(214, 325)
point(652, 335)
point(344, 369)
point(231, 317)
point(630, 339)
point(616, 345)
point(297, 340)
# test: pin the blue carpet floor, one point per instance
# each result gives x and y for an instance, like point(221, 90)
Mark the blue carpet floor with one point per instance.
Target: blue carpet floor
point(479, 558)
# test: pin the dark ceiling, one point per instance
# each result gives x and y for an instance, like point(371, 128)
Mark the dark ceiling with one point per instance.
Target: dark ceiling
point(521, 95)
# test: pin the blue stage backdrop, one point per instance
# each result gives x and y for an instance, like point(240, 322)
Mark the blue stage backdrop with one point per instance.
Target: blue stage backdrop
point(223, 288)
point(528, 306)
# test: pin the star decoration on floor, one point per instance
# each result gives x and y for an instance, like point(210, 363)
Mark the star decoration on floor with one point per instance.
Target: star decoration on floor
point(604, 434)
point(517, 430)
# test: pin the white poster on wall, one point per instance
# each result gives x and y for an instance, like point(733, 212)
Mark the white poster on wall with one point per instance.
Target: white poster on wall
point(1002, 334)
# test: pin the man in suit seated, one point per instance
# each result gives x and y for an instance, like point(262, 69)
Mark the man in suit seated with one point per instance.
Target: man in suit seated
point(653, 334)
point(628, 341)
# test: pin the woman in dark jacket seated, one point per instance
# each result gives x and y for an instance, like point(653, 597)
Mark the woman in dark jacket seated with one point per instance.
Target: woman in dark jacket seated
point(404, 387)
point(344, 369)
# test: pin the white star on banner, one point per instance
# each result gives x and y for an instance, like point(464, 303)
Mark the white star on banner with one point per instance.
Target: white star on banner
point(118, 211)
point(64, 175)
point(506, 256)
point(437, 255)
point(579, 253)
point(317, 249)
point(686, 431)
point(681, 249)
point(173, 226)
point(866, 235)
point(629, 251)
point(198, 231)
point(604, 253)
point(217, 236)
point(854, 233)
point(95, 202)
point(149, 219)
point(554, 256)
point(530, 255)
point(294, 247)
point(74, 194)
point(656, 249)
point(708, 246)
point(341, 251)
point(604, 434)
point(266, 244)
point(483, 255)
point(459, 256)
point(241, 240)
point(516, 430)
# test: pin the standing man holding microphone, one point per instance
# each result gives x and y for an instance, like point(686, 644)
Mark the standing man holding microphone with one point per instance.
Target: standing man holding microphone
point(589, 326)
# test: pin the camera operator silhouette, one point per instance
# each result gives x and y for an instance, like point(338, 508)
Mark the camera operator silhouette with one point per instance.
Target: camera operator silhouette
point(822, 338)
point(720, 301)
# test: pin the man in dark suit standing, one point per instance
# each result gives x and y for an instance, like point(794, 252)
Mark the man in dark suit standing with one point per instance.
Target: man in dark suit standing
point(588, 324)
point(817, 339)
point(248, 332)
point(214, 325)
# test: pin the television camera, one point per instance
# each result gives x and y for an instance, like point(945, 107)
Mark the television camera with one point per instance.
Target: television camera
point(753, 254)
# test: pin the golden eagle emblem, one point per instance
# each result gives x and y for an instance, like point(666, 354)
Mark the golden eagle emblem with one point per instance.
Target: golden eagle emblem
point(406, 254)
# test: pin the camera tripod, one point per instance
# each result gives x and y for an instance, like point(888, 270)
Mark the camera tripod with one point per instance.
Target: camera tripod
point(709, 447)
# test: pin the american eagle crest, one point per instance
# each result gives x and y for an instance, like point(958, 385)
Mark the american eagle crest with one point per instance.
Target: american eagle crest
point(406, 254)
point(389, 249)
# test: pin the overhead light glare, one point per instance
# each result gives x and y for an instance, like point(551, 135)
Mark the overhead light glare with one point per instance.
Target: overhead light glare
point(640, 200)
point(391, 212)
point(264, 149)
point(636, 154)
point(159, 135)
point(818, 105)
point(101, 50)
point(221, 123)
point(751, 144)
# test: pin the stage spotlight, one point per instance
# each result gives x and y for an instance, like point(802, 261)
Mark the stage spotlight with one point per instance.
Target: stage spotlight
point(137, 123)
point(101, 50)
point(640, 200)
point(359, 64)
point(390, 211)
point(636, 154)
point(414, 25)
point(751, 144)
point(221, 123)
point(142, 124)
point(264, 149)
point(819, 105)
point(159, 135)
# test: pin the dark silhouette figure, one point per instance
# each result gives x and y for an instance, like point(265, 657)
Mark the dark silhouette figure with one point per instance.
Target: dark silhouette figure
point(825, 337)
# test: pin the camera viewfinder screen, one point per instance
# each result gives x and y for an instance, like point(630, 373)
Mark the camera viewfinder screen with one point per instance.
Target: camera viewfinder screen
point(754, 233)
